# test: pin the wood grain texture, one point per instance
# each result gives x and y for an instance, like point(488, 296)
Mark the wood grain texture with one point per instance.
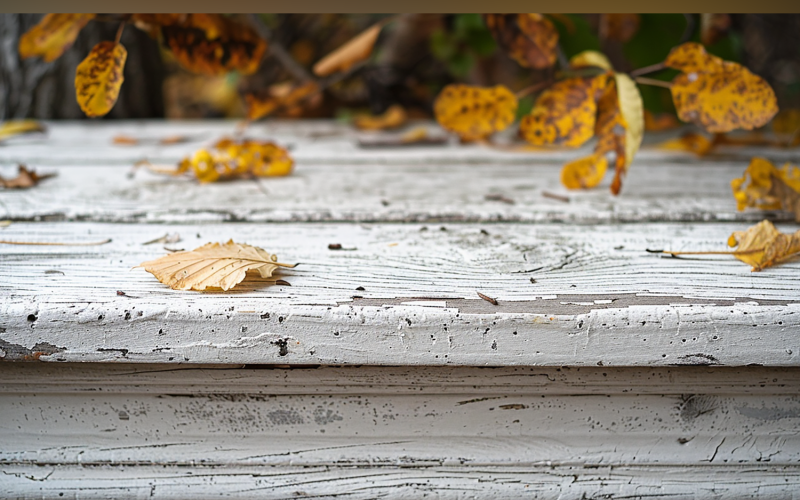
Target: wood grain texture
point(335, 180)
point(402, 294)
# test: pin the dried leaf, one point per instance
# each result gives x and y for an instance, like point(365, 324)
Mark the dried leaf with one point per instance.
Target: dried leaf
point(393, 117)
point(618, 27)
point(25, 179)
point(565, 113)
point(99, 78)
point(473, 112)
point(52, 36)
point(13, 128)
point(660, 122)
point(229, 159)
point(287, 98)
point(631, 108)
point(763, 245)
point(769, 188)
point(212, 266)
point(530, 39)
point(718, 95)
point(691, 142)
point(125, 140)
point(356, 50)
point(713, 27)
point(212, 44)
point(584, 173)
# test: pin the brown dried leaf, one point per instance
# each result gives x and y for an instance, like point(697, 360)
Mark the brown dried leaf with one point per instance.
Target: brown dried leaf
point(713, 27)
point(763, 245)
point(393, 117)
point(660, 122)
point(25, 179)
point(619, 27)
point(54, 34)
point(212, 266)
point(718, 95)
point(356, 50)
point(286, 98)
point(530, 39)
point(99, 78)
point(473, 112)
point(212, 44)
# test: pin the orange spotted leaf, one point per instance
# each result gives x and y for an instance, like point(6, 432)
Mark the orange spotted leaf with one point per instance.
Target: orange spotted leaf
point(474, 112)
point(530, 39)
point(99, 78)
point(54, 34)
point(718, 95)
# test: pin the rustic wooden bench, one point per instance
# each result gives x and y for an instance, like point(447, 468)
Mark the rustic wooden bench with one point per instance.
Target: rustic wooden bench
point(602, 371)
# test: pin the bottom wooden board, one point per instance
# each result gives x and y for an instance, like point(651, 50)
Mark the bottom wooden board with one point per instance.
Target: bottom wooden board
point(147, 431)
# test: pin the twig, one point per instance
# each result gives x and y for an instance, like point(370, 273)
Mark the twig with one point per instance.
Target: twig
point(647, 69)
point(119, 32)
point(730, 252)
point(652, 81)
point(52, 243)
point(487, 298)
point(548, 194)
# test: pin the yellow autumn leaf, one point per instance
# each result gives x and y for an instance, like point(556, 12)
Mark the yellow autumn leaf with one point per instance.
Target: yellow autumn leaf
point(691, 142)
point(393, 117)
point(530, 39)
point(212, 44)
point(718, 95)
point(13, 128)
point(769, 188)
point(590, 58)
point(352, 52)
point(631, 108)
point(565, 113)
point(287, 98)
point(53, 35)
point(474, 112)
point(584, 173)
point(99, 78)
point(763, 245)
point(212, 266)
point(229, 159)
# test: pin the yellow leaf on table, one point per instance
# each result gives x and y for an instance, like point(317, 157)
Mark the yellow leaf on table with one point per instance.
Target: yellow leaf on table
point(474, 112)
point(763, 245)
point(393, 117)
point(770, 188)
point(13, 128)
point(584, 173)
point(125, 140)
point(54, 34)
point(691, 142)
point(212, 266)
point(99, 78)
point(565, 113)
point(280, 97)
point(718, 95)
point(212, 44)
point(530, 39)
point(356, 50)
point(619, 27)
point(229, 159)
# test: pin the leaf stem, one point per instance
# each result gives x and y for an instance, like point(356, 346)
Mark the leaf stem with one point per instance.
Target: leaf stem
point(53, 243)
point(532, 89)
point(729, 252)
point(653, 81)
point(648, 69)
point(119, 32)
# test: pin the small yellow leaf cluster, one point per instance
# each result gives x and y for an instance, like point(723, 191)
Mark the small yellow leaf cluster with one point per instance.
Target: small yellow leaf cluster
point(230, 159)
point(770, 188)
point(475, 113)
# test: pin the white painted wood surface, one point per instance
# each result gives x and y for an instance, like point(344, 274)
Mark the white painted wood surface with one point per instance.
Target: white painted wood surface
point(144, 431)
point(580, 383)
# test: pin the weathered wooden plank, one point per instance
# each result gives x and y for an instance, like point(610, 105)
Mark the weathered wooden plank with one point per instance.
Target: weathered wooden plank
point(336, 181)
point(367, 432)
point(403, 295)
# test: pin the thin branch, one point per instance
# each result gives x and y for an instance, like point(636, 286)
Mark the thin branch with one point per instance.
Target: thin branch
point(532, 89)
point(653, 81)
point(730, 252)
point(119, 32)
point(647, 69)
point(49, 243)
point(279, 51)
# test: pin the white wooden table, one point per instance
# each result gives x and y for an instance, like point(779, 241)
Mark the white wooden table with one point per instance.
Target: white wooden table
point(603, 371)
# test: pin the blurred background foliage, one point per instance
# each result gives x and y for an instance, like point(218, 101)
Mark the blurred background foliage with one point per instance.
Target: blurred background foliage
point(413, 60)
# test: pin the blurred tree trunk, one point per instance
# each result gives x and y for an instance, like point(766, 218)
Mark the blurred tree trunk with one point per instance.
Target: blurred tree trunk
point(35, 89)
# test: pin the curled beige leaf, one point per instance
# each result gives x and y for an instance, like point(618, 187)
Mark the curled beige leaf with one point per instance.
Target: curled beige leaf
point(212, 266)
point(354, 51)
